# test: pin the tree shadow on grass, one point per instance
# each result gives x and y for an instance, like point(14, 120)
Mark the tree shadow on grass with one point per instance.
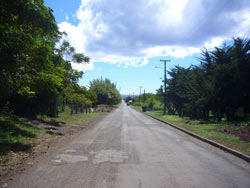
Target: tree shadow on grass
point(10, 128)
point(51, 122)
point(11, 136)
point(6, 147)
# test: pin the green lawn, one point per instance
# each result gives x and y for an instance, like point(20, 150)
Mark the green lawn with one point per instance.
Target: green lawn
point(213, 131)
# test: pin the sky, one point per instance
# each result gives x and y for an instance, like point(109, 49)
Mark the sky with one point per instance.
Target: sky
point(126, 40)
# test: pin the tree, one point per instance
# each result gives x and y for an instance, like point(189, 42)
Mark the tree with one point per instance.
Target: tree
point(219, 85)
point(70, 76)
point(34, 73)
point(28, 21)
point(106, 91)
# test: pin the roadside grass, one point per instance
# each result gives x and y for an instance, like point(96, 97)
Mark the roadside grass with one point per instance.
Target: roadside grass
point(116, 106)
point(137, 107)
point(68, 119)
point(16, 136)
point(210, 130)
point(19, 137)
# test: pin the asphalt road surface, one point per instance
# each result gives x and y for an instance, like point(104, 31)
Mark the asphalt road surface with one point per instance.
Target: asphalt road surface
point(127, 150)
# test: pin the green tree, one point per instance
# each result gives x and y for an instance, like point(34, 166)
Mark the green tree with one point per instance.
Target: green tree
point(28, 32)
point(34, 74)
point(106, 91)
point(218, 85)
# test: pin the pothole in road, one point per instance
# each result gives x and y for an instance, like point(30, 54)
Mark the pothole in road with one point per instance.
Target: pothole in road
point(101, 156)
point(71, 158)
point(112, 156)
point(70, 151)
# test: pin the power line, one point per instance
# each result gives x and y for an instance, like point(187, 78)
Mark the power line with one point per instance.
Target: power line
point(165, 87)
point(140, 93)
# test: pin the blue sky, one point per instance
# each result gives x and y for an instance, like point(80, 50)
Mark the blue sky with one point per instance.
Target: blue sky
point(126, 39)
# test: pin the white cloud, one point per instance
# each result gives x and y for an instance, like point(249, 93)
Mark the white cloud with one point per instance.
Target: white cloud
point(173, 51)
point(128, 33)
point(216, 41)
point(82, 66)
point(67, 17)
point(74, 35)
point(244, 26)
point(134, 62)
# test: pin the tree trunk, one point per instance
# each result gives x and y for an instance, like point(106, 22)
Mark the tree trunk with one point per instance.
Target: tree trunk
point(55, 107)
point(82, 108)
point(63, 105)
point(219, 118)
point(86, 107)
point(76, 108)
point(71, 109)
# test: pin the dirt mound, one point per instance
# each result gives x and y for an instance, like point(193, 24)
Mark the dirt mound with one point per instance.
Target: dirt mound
point(242, 132)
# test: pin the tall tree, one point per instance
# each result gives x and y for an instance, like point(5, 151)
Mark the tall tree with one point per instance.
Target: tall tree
point(33, 72)
point(218, 85)
point(106, 91)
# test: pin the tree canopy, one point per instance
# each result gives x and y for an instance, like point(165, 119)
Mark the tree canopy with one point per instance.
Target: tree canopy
point(106, 91)
point(220, 84)
point(36, 75)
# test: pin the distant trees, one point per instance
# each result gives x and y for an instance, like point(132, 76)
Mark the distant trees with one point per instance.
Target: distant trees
point(106, 91)
point(149, 100)
point(218, 86)
point(128, 98)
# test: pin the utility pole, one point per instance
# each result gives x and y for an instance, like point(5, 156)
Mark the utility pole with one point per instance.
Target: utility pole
point(144, 97)
point(165, 86)
point(140, 93)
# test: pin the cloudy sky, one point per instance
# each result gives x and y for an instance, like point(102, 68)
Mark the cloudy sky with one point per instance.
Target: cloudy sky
point(126, 39)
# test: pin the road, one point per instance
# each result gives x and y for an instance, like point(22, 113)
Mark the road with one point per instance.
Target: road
point(128, 149)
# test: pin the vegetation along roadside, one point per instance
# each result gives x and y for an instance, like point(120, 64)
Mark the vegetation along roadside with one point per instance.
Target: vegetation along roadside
point(39, 91)
point(210, 99)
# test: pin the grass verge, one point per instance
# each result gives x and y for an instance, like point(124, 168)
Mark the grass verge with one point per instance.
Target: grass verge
point(210, 130)
point(19, 136)
point(137, 107)
point(68, 119)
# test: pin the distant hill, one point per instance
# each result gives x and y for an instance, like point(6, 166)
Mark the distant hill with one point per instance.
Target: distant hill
point(124, 96)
